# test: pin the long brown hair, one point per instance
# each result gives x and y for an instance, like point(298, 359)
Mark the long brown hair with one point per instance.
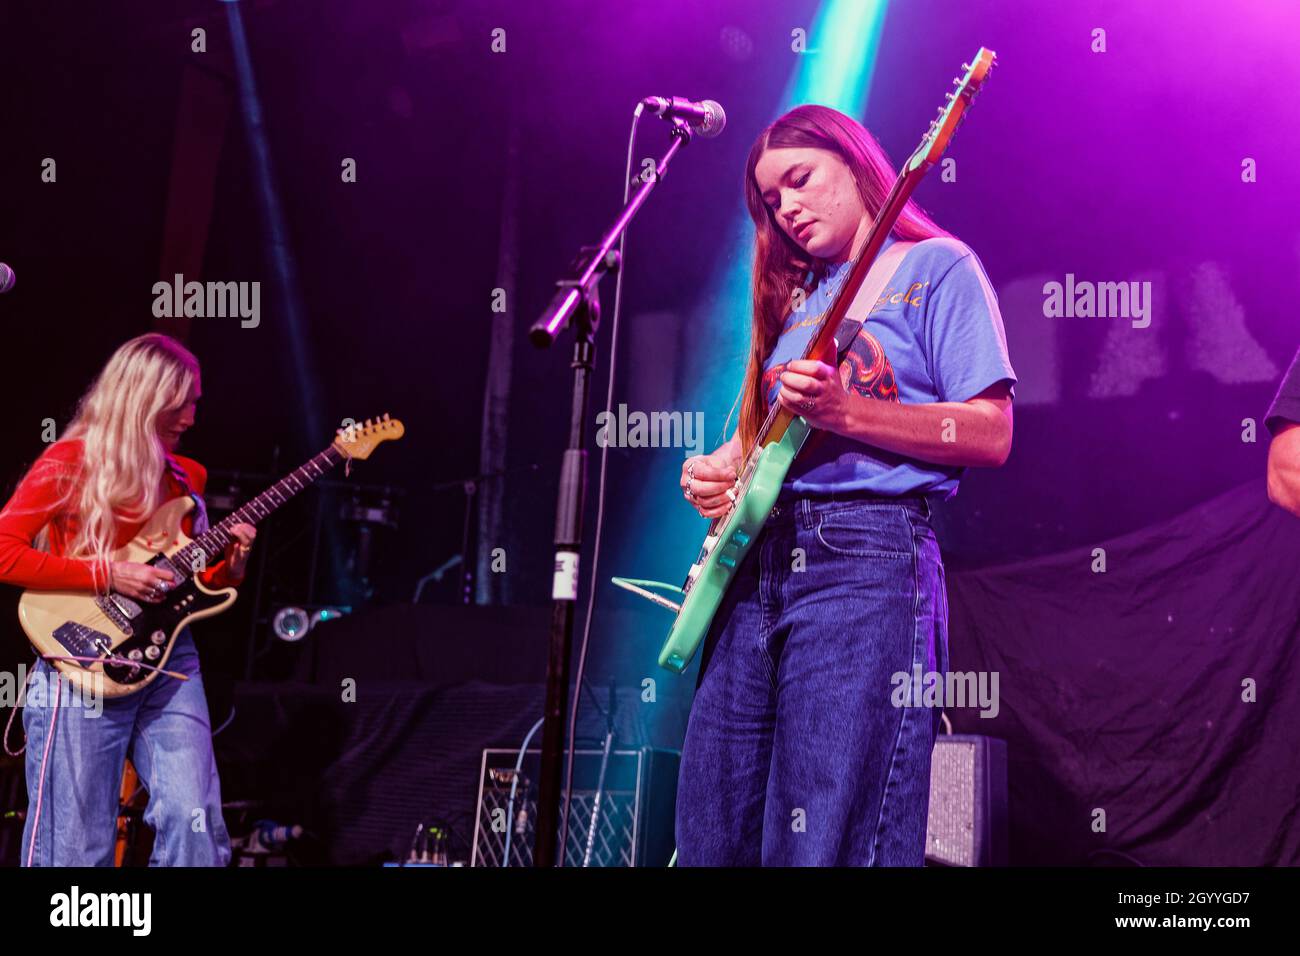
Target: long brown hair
point(780, 265)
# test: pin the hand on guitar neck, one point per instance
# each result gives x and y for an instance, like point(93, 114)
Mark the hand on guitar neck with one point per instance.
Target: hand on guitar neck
point(144, 582)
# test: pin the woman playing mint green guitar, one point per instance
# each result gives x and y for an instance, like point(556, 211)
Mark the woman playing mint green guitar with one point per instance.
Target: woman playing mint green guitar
point(802, 747)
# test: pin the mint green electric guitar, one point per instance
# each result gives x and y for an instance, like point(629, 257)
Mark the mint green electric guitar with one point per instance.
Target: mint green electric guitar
point(783, 433)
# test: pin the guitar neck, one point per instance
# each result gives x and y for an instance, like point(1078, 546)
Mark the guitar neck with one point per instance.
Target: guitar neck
point(922, 160)
point(780, 417)
point(204, 549)
point(890, 210)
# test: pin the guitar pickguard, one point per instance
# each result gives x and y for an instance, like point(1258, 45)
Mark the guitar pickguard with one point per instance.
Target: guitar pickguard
point(155, 627)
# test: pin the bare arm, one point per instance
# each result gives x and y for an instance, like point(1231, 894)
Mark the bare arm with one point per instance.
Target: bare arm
point(730, 449)
point(1284, 469)
point(976, 432)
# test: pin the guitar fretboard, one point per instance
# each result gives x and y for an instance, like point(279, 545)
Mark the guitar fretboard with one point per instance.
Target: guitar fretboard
point(207, 547)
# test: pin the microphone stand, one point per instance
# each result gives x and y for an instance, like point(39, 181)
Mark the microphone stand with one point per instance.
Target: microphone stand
point(576, 303)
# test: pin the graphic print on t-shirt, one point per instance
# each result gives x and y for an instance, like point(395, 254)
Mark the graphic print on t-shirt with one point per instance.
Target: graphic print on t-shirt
point(865, 368)
point(934, 334)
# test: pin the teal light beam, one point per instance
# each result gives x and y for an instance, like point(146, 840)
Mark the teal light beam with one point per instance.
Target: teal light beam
point(834, 70)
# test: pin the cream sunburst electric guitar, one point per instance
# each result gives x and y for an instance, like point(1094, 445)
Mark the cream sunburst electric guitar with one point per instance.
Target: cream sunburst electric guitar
point(121, 644)
point(783, 433)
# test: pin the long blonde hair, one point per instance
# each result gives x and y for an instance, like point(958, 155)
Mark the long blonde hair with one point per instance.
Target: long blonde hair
point(780, 265)
point(123, 458)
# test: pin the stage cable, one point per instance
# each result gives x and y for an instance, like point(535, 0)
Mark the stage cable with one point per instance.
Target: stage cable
point(600, 506)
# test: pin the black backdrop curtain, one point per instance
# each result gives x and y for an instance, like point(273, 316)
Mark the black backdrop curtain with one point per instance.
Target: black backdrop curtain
point(1123, 693)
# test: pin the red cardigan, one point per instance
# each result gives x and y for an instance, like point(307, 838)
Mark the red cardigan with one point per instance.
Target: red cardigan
point(31, 508)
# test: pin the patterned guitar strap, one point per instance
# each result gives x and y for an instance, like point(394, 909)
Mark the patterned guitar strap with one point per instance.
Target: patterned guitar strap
point(878, 276)
point(881, 271)
point(200, 507)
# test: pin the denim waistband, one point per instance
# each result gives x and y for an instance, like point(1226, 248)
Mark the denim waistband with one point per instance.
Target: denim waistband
point(789, 503)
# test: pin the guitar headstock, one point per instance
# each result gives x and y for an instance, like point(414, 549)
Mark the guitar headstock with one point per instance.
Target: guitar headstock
point(359, 440)
point(945, 124)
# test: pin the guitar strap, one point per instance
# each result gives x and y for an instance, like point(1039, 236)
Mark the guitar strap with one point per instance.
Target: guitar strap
point(200, 520)
point(878, 276)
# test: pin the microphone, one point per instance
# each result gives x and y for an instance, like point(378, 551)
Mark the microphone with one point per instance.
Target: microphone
point(706, 116)
point(6, 278)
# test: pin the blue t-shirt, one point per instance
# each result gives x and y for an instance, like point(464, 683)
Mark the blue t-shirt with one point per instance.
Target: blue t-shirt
point(1286, 405)
point(934, 335)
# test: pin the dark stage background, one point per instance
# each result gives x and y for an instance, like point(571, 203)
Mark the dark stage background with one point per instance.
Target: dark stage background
point(1121, 690)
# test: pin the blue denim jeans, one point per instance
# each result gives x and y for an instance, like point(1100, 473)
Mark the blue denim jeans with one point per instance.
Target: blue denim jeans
point(165, 730)
point(795, 753)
